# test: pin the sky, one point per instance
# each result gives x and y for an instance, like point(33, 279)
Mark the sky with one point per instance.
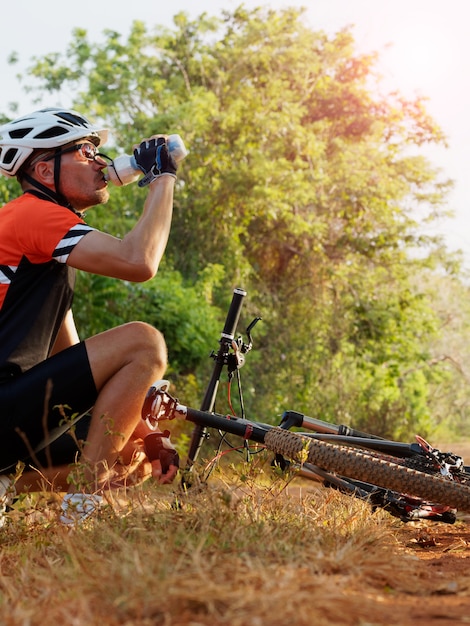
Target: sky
point(423, 47)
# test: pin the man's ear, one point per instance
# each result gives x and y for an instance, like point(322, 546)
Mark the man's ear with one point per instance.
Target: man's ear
point(44, 172)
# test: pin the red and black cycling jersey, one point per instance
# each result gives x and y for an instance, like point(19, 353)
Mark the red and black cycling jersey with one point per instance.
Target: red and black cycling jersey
point(36, 284)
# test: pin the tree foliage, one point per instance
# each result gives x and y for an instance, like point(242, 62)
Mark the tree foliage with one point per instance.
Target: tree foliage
point(305, 185)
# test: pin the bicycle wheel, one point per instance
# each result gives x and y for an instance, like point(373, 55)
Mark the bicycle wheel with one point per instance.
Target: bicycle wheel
point(359, 465)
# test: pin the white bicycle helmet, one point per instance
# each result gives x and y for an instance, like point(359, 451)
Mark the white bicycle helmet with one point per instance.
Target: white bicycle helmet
point(47, 128)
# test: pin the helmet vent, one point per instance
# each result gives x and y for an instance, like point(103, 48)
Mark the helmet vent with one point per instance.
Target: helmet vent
point(9, 156)
point(73, 119)
point(55, 131)
point(19, 133)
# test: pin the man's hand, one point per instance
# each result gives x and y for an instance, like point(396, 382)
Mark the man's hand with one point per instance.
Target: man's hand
point(154, 159)
point(162, 455)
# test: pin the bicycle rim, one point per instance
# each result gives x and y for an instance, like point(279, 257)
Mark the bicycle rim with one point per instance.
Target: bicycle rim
point(358, 465)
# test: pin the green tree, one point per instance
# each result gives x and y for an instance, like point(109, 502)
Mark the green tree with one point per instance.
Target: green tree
point(304, 182)
point(9, 189)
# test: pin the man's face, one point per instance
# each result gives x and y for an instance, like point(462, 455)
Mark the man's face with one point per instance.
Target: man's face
point(81, 178)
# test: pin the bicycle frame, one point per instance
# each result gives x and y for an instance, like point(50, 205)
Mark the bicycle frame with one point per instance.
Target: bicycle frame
point(230, 355)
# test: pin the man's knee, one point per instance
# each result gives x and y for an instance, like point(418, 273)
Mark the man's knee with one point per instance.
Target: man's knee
point(147, 340)
point(134, 341)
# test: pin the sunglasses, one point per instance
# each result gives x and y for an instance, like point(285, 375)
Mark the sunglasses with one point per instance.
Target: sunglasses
point(87, 151)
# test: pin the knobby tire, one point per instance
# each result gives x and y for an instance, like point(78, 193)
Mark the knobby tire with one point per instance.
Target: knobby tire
point(358, 465)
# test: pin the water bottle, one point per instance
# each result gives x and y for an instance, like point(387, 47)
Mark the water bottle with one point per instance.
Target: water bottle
point(124, 170)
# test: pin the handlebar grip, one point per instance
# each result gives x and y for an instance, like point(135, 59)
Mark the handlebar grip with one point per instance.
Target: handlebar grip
point(233, 314)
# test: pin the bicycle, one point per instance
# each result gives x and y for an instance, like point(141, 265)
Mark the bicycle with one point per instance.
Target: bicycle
point(409, 480)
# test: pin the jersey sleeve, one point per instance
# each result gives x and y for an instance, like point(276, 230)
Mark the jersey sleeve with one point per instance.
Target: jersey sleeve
point(49, 231)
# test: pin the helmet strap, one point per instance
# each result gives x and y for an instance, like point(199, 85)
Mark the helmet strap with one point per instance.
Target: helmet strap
point(55, 196)
point(50, 193)
point(60, 198)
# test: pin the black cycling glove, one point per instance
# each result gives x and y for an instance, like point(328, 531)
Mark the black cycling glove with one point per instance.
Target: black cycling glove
point(159, 447)
point(154, 159)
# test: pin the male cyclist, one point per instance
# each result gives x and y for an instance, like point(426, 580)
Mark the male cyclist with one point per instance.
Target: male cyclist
point(46, 372)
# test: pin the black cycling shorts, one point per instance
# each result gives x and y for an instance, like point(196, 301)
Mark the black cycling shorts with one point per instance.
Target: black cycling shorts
point(39, 407)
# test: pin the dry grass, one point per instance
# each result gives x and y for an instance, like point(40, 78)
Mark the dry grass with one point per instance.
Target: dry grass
point(235, 552)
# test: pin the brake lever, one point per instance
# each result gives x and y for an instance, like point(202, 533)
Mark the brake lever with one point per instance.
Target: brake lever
point(236, 359)
point(246, 347)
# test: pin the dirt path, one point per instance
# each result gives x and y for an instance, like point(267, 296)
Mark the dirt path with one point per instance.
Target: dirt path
point(441, 566)
point(438, 560)
point(429, 585)
point(442, 555)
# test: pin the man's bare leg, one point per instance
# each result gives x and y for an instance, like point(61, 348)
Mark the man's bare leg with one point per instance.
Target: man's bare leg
point(125, 361)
